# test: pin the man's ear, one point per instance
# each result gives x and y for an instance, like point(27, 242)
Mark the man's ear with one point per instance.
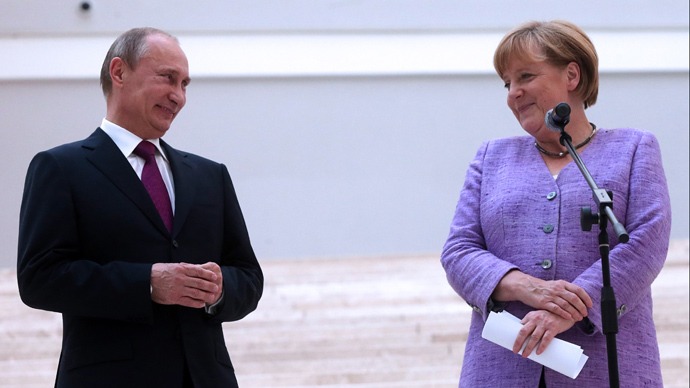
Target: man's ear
point(573, 74)
point(117, 71)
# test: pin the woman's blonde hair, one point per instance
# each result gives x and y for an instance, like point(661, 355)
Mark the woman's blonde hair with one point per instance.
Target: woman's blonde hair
point(558, 43)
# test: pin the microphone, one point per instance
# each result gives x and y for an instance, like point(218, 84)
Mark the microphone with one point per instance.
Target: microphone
point(557, 118)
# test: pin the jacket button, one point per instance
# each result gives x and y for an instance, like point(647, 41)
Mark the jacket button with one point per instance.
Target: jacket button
point(548, 228)
point(175, 244)
point(551, 195)
point(546, 264)
point(621, 310)
point(475, 308)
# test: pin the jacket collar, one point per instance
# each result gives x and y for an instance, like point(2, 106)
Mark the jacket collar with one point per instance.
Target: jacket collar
point(107, 157)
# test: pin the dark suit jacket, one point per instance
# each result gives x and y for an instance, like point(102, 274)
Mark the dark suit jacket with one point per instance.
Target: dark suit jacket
point(88, 235)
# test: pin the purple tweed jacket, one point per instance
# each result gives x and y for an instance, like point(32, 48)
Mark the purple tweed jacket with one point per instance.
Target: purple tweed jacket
point(513, 214)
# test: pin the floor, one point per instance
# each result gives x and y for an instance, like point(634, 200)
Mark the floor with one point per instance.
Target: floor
point(370, 322)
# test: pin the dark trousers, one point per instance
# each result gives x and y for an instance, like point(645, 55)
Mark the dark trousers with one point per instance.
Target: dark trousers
point(542, 383)
point(187, 378)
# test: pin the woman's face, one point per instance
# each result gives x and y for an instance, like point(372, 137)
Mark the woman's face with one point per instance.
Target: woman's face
point(534, 88)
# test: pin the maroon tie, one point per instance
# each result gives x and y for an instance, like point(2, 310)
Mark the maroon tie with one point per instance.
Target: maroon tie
point(152, 180)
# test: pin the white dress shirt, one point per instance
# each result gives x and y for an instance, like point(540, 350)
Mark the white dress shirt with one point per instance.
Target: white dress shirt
point(126, 141)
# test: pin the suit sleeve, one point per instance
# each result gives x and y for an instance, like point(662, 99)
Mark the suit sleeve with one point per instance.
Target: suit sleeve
point(635, 264)
point(52, 273)
point(471, 269)
point(242, 276)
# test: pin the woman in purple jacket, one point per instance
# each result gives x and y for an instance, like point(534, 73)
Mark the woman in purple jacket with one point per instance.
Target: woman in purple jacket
point(515, 242)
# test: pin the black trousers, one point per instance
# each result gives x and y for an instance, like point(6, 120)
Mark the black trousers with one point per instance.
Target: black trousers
point(542, 383)
point(187, 379)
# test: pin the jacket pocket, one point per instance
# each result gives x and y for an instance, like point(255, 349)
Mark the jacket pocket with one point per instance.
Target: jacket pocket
point(79, 356)
point(222, 355)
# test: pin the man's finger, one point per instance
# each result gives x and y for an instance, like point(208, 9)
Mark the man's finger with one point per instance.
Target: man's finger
point(190, 302)
point(198, 271)
point(211, 266)
point(201, 284)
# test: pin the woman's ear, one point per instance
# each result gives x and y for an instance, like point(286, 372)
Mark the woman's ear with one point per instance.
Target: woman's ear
point(573, 75)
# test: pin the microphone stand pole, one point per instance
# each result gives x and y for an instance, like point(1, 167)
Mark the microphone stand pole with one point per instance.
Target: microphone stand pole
point(604, 201)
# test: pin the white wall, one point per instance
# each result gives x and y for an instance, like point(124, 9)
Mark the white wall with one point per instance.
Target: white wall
point(363, 154)
point(35, 17)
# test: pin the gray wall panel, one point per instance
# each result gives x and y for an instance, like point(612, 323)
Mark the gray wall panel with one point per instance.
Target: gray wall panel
point(338, 166)
point(334, 166)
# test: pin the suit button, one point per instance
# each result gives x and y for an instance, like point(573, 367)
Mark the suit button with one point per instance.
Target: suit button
point(551, 195)
point(548, 228)
point(546, 264)
point(175, 244)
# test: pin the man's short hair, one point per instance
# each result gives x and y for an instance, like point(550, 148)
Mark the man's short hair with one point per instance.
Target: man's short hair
point(131, 46)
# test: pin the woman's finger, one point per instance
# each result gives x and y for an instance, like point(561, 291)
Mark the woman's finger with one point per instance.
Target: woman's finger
point(523, 335)
point(575, 311)
point(581, 294)
point(533, 341)
point(545, 341)
point(558, 310)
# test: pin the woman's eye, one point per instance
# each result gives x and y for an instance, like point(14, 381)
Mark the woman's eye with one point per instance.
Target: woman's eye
point(507, 85)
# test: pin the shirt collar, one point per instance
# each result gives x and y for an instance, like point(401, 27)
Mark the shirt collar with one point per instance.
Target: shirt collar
point(125, 140)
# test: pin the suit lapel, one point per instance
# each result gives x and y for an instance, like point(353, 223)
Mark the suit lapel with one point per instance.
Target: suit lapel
point(106, 157)
point(185, 187)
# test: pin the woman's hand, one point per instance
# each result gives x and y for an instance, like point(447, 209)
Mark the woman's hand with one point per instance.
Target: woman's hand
point(556, 296)
point(539, 328)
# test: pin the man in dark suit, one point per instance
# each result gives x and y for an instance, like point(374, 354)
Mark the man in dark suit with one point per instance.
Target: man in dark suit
point(141, 247)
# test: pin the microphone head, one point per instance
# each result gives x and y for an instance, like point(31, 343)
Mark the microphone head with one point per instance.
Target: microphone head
point(557, 118)
point(550, 124)
point(562, 111)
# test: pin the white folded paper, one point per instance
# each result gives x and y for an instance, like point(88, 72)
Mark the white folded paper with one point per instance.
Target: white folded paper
point(561, 356)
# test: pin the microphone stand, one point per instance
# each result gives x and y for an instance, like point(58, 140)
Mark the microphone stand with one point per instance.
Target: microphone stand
point(604, 201)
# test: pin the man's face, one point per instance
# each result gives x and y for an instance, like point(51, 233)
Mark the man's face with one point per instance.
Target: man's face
point(154, 92)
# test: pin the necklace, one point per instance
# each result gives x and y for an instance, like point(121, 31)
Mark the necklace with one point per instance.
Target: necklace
point(562, 154)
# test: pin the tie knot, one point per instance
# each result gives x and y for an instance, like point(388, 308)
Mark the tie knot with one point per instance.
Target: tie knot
point(145, 149)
